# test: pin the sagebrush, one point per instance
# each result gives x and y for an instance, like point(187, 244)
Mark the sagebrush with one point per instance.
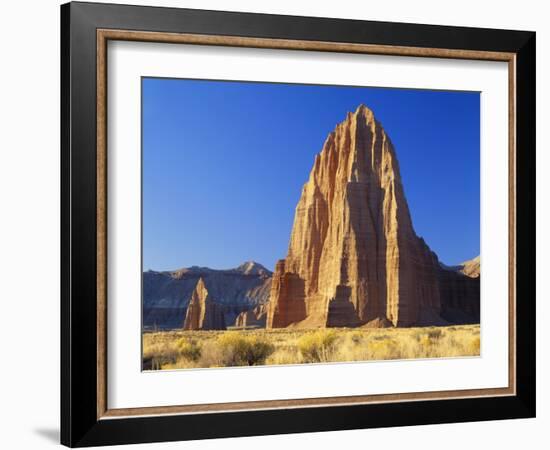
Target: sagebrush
point(203, 349)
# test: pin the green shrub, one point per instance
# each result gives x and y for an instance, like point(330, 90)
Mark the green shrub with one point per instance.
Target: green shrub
point(188, 349)
point(356, 337)
point(242, 350)
point(435, 334)
point(317, 346)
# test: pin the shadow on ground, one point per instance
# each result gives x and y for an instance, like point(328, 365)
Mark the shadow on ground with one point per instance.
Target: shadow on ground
point(50, 434)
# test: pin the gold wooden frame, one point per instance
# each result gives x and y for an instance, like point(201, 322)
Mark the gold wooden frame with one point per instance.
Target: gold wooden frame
point(103, 36)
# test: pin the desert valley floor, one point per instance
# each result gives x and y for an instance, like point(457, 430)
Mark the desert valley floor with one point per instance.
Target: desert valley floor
point(252, 347)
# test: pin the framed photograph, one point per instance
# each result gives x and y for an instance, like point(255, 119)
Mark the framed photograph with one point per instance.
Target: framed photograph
point(276, 224)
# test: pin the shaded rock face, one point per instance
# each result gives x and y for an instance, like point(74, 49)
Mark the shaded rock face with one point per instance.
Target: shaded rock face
point(255, 317)
point(202, 312)
point(157, 319)
point(460, 296)
point(353, 256)
point(167, 294)
point(341, 312)
point(287, 298)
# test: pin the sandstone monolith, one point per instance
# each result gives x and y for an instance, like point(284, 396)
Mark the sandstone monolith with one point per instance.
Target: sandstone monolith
point(354, 257)
point(202, 312)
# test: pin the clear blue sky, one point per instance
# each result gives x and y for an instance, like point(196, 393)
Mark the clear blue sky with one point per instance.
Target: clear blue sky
point(224, 164)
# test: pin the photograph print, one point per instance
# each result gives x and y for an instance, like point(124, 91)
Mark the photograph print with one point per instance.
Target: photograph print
point(294, 224)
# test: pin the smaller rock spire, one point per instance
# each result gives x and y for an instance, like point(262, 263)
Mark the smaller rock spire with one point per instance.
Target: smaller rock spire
point(202, 312)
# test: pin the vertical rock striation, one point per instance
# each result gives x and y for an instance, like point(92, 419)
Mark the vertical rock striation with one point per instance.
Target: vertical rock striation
point(202, 312)
point(353, 256)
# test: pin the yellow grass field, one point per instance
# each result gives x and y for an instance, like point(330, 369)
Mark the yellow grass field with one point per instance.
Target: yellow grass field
point(238, 347)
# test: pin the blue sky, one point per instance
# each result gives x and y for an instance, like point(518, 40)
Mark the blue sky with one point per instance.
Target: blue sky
point(224, 164)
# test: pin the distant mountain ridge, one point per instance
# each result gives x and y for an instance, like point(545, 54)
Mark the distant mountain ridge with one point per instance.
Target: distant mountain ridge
point(166, 294)
point(246, 268)
point(471, 268)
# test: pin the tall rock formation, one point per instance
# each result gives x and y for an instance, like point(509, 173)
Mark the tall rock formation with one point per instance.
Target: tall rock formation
point(203, 313)
point(353, 256)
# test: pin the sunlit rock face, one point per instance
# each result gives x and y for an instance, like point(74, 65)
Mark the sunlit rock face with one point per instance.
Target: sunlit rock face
point(354, 257)
point(202, 312)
